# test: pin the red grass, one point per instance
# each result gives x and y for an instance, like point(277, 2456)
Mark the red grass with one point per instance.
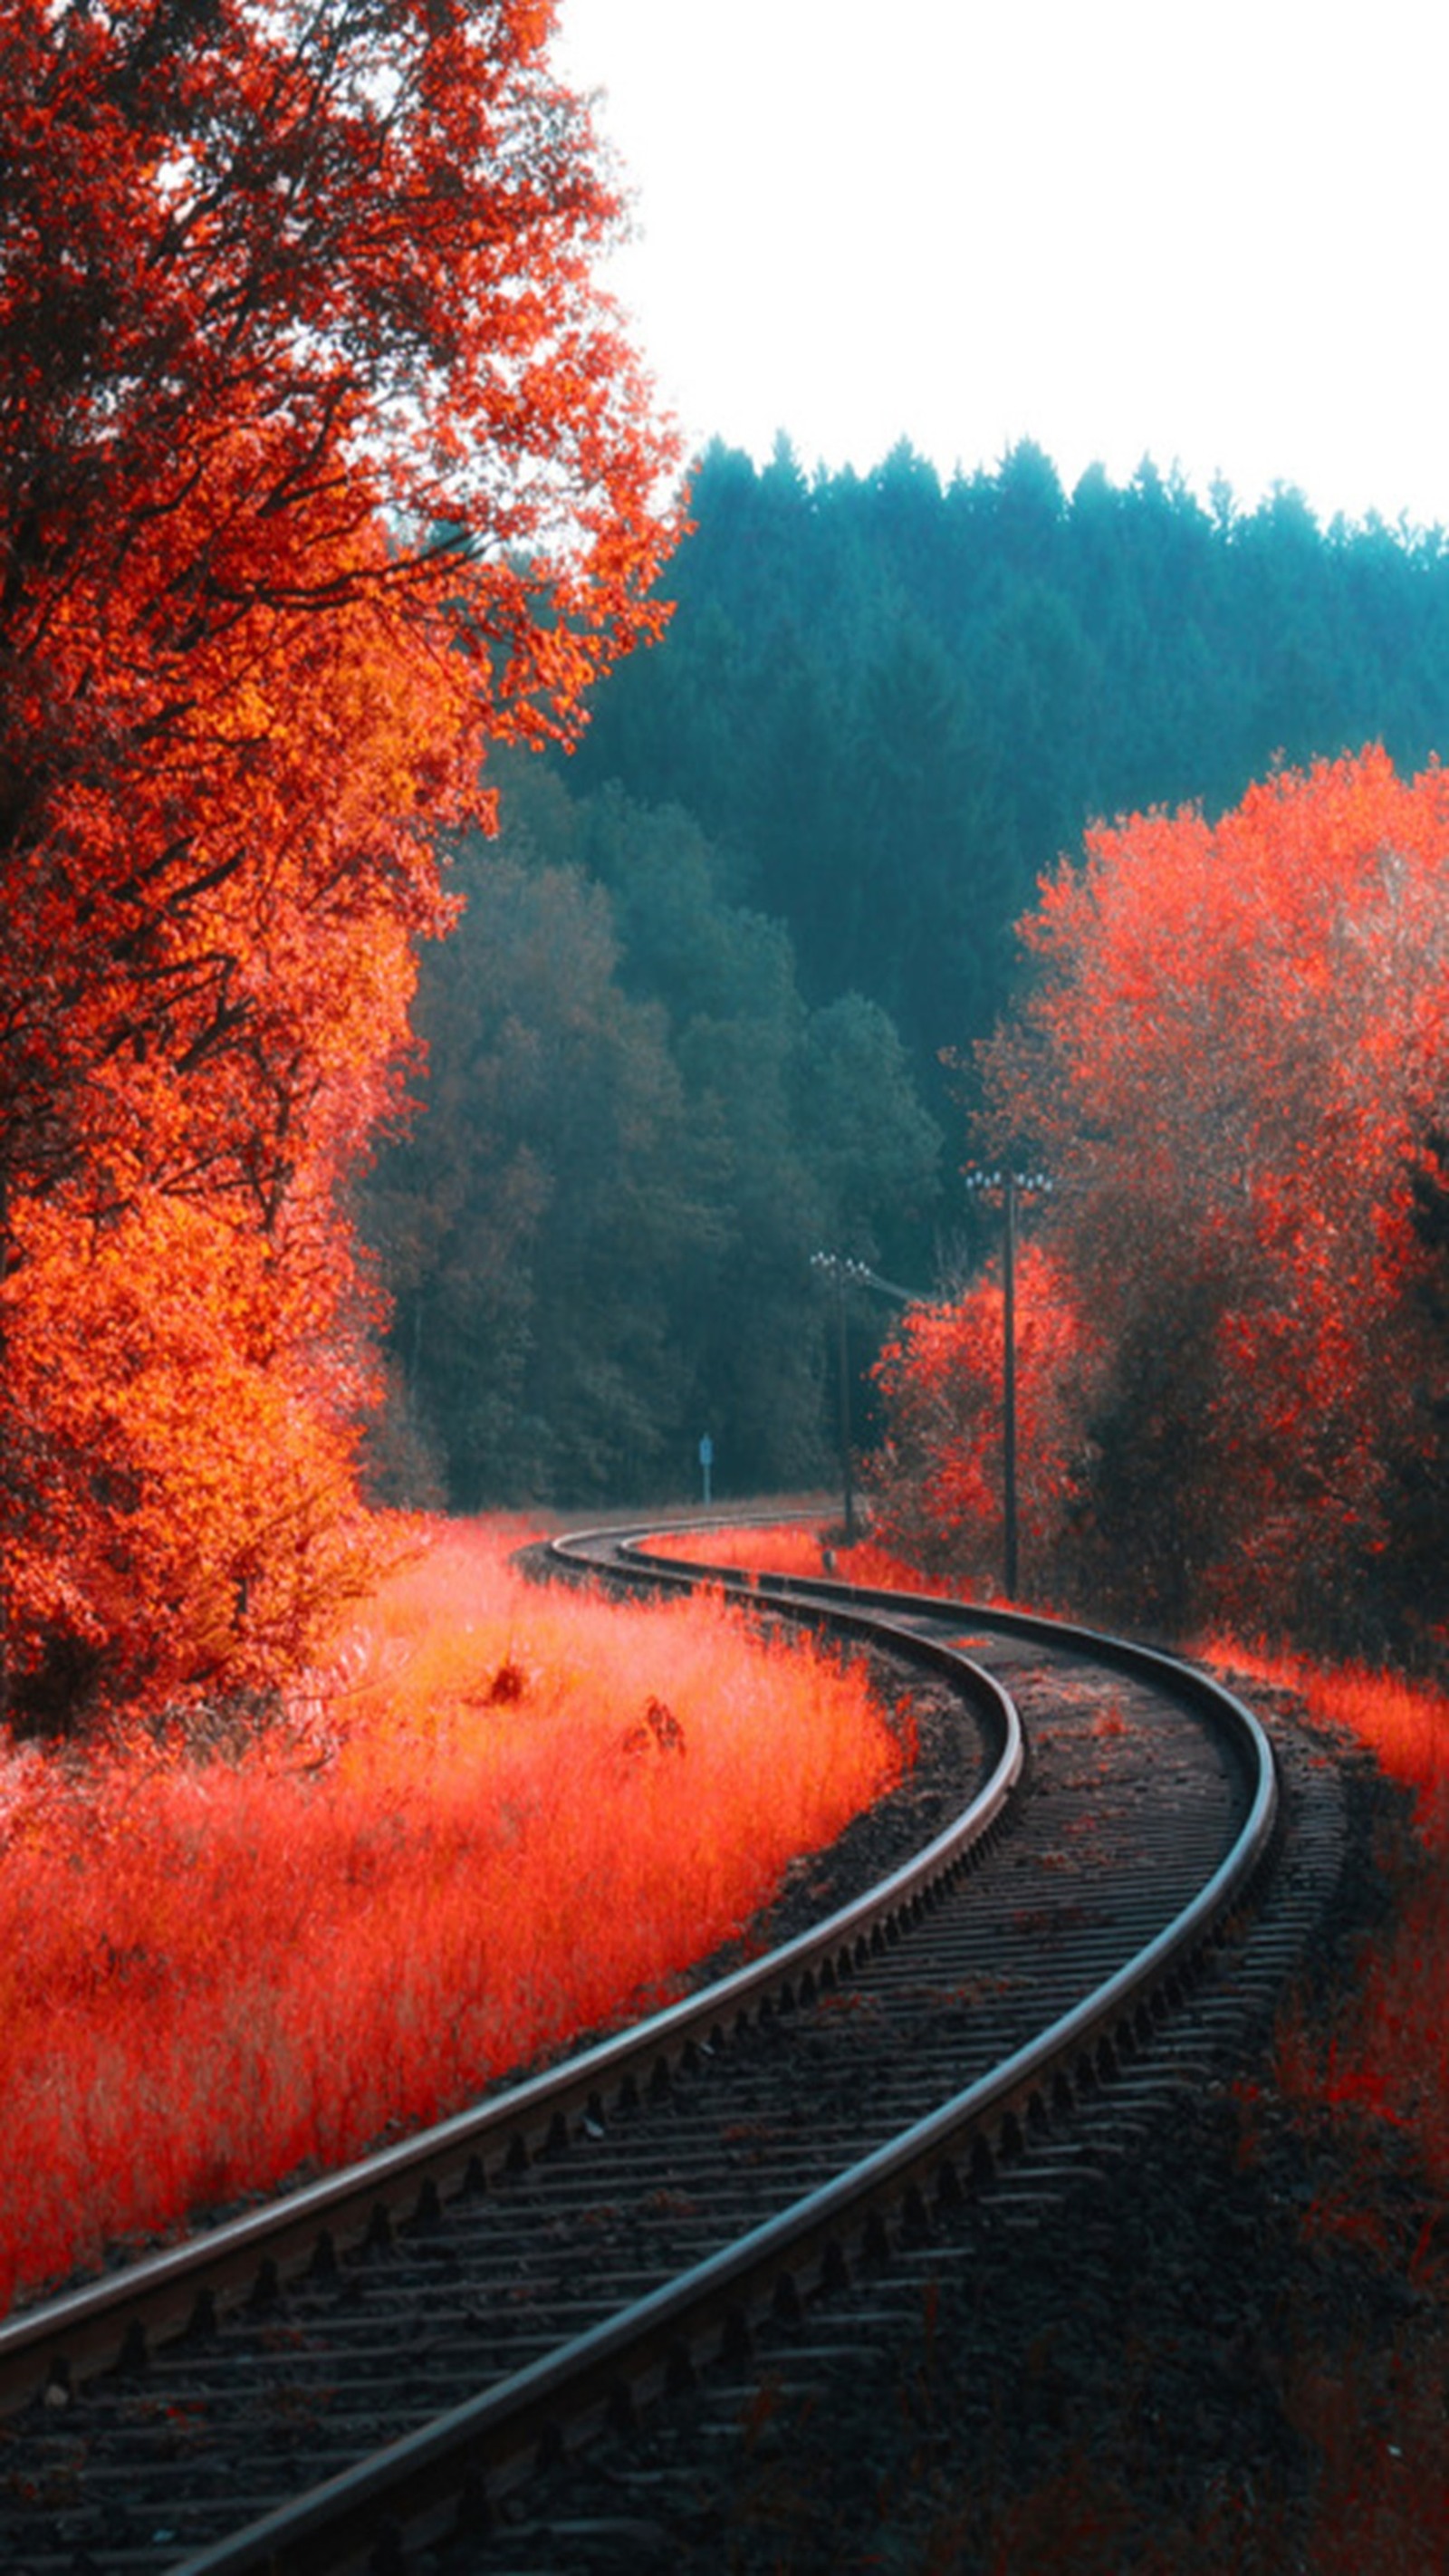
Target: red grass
point(1388, 2052)
point(1405, 1724)
point(1378, 2070)
point(795, 1547)
point(504, 1817)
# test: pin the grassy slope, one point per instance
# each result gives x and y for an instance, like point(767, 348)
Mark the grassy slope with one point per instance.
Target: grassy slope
point(503, 1816)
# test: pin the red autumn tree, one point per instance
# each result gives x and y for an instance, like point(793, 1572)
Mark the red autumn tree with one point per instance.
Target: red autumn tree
point(1233, 1059)
point(937, 1478)
point(322, 464)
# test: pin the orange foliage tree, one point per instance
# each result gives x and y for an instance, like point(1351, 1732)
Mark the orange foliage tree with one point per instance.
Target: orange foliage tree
point(322, 463)
point(937, 1478)
point(1235, 1061)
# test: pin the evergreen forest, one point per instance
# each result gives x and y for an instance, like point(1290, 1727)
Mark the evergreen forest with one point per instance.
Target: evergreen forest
point(714, 1002)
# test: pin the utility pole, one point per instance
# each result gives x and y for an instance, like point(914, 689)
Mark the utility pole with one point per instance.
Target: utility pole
point(1011, 1185)
point(849, 1273)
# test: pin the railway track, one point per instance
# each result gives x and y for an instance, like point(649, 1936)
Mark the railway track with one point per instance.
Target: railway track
point(376, 2364)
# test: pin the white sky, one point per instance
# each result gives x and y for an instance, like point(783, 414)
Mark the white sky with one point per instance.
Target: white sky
point(1215, 235)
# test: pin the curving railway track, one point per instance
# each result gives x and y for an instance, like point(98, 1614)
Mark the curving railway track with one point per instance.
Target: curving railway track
point(373, 2366)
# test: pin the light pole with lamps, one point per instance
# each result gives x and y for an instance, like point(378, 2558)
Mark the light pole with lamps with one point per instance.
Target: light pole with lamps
point(1011, 1185)
point(850, 1273)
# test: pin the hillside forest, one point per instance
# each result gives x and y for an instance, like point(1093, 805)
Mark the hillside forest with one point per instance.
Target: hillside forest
point(482, 921)
point(837, 903)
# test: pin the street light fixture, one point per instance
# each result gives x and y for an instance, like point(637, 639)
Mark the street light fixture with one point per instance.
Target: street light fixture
point(847, 1272)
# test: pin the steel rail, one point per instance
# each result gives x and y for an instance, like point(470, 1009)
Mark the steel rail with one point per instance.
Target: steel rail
point(490, 2438)
point(1181, 1680)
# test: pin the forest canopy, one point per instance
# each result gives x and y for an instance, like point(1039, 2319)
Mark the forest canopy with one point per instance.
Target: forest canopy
point(323, 466)
point(634, 1134)
point(806, 823)
point(894, 702)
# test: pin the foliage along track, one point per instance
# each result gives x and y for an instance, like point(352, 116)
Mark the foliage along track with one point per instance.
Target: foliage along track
point(376, 2365)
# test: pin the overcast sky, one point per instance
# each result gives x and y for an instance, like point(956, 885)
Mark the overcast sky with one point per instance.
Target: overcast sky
point(1215, 235)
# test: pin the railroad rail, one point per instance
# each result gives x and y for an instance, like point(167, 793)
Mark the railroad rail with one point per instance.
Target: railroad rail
point(374, 2364)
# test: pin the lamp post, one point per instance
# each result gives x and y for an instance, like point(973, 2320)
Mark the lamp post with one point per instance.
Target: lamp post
point(1010, 1184)
point(849, 1273)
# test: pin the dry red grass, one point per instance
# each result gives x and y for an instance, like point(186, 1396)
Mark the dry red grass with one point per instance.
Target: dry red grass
point(504, 1816)
point(795, 1547)
point(1388, 2049)
point(1368, 2080)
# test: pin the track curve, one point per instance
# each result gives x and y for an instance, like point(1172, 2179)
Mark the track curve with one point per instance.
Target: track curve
point(732, 2156)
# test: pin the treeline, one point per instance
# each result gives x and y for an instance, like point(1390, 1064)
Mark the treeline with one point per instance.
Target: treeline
point(894, 705)
point(692, 1029)
point(636, 1132)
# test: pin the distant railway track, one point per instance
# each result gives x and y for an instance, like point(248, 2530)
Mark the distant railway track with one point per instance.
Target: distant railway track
point(374, 2365)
